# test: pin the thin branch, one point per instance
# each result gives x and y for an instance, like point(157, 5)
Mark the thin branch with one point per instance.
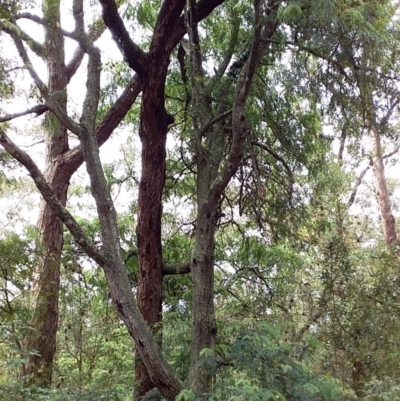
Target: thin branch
point(314, 52)
point(50, 102)
point(356, 186)
point(65, 216)
point(214, 121)
point(276, 156)
point(313, 319)
point(392, 153)
point(362, 175)
point(343, 137)
point(254, 162)
point(74, 158)
point(12, 29)
point(41, 21)
point(38, 109)
point(27, 63)
point(229, 51)
point(94, 33)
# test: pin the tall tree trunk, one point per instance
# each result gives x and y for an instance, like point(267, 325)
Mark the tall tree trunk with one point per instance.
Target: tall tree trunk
point(46, 287)
point(388, 220)
point(214, 171)
point(154, 122)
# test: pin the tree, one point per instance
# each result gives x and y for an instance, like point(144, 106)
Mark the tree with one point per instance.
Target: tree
point(264, 194)
point(62, 162)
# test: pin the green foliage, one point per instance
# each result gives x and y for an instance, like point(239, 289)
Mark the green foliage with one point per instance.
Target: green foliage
point(306, 293)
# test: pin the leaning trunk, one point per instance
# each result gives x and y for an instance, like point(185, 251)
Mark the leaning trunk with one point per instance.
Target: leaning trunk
point(46, 288)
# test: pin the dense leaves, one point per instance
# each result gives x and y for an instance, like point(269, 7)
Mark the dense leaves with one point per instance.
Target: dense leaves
point(296, 240)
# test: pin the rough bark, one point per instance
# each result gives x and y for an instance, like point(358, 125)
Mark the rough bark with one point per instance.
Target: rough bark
point(152, 69)
point(204, 328)
point(45, 292)
point(109, 257)
point(214, 173)
point(168, 31)
point(153, 132)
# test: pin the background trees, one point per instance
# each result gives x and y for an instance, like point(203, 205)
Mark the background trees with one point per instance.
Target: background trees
point(243, 254)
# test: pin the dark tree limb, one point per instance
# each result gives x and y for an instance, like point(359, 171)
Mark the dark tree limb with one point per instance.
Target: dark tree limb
point(134, 55)
point(38, 109)
point(165, 26)
point(276, 156)
point(357, 185)
point(180, 268)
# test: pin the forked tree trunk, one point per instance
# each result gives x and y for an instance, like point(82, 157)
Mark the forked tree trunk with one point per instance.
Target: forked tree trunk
point(214, 171)
point(46, 287)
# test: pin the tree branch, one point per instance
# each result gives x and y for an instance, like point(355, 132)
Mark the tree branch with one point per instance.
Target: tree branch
point(65, 216)
point(74, 158)
point(204, 8)
point(38, 109)
point(180, 268)
point(276, 156)
point(356, 186)
point(13, 29)
point(165, 26)
point(134, 55)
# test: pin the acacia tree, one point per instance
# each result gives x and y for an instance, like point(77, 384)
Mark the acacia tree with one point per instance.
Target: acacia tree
point(61, 163)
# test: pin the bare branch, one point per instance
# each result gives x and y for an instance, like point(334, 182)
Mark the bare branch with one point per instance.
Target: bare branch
point(39, 109)
point(357, 185)
point(392, 153)
point(181, 268)
point(216, 119)
point(133, 54)
point(65, 216)
point(27, 62)
point(50, 101)
point(276, 156)
point(12, 29)
point(114, 116)
point(94, 33)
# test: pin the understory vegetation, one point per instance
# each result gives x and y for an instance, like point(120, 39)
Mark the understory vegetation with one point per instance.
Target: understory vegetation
point(199, 200)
